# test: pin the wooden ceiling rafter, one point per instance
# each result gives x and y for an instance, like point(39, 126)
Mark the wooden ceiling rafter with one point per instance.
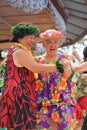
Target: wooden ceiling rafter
point(76, 39)
point(3, 20)
point(70, 4)
point(75, 26)
point(58, 6)
point(75, 19)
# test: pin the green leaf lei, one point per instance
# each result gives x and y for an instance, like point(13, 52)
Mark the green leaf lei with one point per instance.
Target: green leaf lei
point(60, 67)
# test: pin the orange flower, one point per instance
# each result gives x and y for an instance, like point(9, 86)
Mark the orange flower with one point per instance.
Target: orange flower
point(55, 96)
point(62, 84)
point(39, 85)
point(45, 104)
point(72, 123)
point(68, 117)
point(62, 103)
point(66, 56)
point(55, 117)
point(63, 77)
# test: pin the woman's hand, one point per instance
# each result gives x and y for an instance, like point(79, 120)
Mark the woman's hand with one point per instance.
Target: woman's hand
point(67, 67)
point(84, 76)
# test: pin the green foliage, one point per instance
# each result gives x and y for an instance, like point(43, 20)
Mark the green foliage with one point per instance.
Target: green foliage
point(59, 66)
point(23, 30)
point(2, 68)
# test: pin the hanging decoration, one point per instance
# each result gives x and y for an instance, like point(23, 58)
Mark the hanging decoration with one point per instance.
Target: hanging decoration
point(30, 6)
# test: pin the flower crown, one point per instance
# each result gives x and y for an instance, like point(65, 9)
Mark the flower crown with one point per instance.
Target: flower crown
point(51, 33)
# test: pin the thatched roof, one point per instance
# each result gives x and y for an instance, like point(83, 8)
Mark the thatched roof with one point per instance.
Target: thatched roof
point(68, 16)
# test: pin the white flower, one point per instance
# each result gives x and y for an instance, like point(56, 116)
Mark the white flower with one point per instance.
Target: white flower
point(3, 54)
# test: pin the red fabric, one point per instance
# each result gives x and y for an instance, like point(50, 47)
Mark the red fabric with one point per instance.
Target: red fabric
point(78, 112)
point(83, 102)
point(81, 105)
point(18, 106)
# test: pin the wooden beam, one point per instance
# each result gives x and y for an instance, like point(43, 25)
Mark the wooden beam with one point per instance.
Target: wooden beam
point(3, 20)
point(75, 40)
point(86, 2)
point(60, 8)
point(5, 45)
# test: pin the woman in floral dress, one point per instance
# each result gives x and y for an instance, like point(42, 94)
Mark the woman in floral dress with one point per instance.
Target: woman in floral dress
point(54, 94)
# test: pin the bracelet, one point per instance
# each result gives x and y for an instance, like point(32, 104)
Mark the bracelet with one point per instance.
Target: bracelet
point(59, 66)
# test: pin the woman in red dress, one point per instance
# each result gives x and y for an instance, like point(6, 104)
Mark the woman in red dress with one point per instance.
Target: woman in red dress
point(18, 106)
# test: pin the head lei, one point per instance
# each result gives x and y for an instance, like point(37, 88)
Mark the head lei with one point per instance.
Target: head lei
point(19, 31)
point(52, 34)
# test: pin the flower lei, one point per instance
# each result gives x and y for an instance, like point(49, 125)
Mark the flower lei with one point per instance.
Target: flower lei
point(23, 47)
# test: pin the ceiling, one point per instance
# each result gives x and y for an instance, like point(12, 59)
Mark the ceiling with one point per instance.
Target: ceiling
point(73, 12)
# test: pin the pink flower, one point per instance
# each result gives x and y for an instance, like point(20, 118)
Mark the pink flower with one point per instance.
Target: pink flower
point(41, 35)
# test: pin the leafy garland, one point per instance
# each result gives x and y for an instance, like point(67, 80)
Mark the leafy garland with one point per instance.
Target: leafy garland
point(60, 67)
point(23, 30)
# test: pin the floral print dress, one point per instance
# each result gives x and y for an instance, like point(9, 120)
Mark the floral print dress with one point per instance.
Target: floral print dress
point(56, 101)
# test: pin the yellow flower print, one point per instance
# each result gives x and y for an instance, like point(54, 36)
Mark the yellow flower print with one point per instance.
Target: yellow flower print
point(72, 124)
point(73, 93)
point(45, 110)
point(45, 129)
point(35, 75)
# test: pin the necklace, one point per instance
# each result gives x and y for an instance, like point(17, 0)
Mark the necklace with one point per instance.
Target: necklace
point(23, 47)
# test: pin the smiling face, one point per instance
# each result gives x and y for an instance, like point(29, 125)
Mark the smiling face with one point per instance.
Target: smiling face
point(51, 46)
point(28, 41)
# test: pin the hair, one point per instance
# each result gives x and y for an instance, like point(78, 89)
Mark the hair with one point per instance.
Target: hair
point(22, 29)
point(85, 53)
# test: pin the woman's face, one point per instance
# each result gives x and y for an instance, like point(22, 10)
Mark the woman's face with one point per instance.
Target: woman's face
point(51, 46)
point(28, 41)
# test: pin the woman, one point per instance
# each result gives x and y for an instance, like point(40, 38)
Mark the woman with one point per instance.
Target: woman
point(18, 106)
point(81, 88)
point(54, 95)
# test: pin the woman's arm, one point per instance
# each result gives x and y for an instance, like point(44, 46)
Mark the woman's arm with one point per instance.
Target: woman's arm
point(82, 67)
point(23, 59)
point(84, 76)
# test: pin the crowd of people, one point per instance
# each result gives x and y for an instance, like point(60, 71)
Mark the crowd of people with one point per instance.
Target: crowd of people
point(38, 91)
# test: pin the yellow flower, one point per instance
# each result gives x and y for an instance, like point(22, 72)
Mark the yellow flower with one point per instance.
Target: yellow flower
point(44, 128)
point(45, 110)
point(36, 75)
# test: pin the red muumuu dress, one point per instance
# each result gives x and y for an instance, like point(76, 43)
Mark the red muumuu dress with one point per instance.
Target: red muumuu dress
point(18, 106)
